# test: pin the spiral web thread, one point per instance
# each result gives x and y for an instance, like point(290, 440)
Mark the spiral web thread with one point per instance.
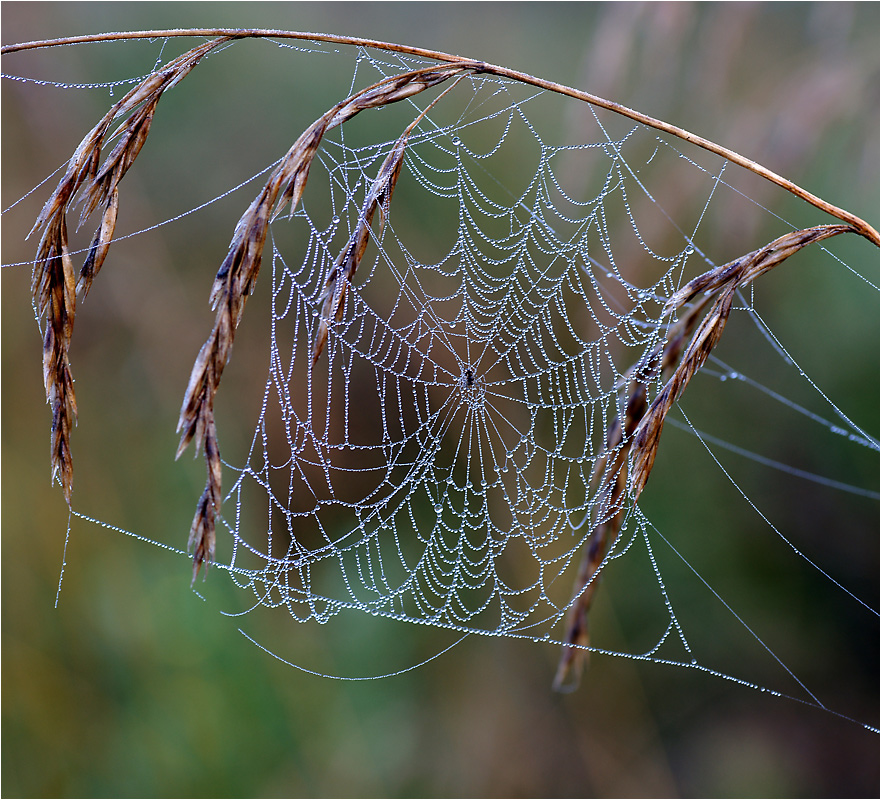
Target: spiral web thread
point(436, 465)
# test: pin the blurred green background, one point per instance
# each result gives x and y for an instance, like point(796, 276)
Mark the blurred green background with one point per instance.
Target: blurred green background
point(135, 686)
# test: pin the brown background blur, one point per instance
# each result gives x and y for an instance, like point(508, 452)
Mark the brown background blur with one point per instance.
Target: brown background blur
point(134, 686)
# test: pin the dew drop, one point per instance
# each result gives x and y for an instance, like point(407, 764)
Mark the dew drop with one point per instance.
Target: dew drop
point(438, 507)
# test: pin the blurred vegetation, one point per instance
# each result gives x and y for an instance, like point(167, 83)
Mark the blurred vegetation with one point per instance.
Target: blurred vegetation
point(135, 686)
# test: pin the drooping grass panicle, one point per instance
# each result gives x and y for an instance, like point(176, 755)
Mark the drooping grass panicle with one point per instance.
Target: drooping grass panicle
point(629, 452)
point(54, 286)
point(721, 283)
point(611, 492)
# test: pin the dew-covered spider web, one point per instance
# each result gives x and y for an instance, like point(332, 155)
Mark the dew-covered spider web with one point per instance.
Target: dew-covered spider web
point(442, 459)
point(440, 463)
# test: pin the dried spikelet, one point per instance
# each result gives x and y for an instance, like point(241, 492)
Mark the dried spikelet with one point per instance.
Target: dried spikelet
point(100, 244)
point(608, 516)
point(626, 462)
point(347, 262)
point(54, 291)
point(202, 537)
point(378, 199)
point(237, 275)
point(746, 269)
point(53, 282)
point(398, 87)
point(723, 282)
point(610, 478)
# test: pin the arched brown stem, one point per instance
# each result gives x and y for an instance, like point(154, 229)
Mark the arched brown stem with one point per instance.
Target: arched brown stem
point(859, 225)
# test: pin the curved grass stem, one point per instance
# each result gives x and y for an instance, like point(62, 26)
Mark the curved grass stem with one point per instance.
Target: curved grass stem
point(859, 225)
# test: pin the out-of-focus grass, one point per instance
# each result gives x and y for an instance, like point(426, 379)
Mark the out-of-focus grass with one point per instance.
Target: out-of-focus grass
point(135, 686)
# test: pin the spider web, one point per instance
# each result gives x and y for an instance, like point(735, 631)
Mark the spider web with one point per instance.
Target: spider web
point(436, 464)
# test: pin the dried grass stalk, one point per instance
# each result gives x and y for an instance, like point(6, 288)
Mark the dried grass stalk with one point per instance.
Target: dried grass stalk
point(860, 226)
point(53, 284)
point(626, 462)
point(237, 275)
